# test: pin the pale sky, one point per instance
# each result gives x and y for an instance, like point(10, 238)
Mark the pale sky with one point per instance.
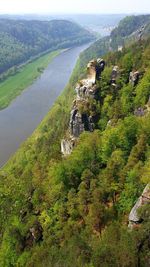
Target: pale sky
point(74, 6)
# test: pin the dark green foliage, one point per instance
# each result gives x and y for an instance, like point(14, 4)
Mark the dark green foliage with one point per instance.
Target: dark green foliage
point(128, 26)
point(77, 207)
point(22, 40)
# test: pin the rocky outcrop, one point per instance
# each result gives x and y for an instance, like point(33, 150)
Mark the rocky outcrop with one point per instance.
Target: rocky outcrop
point(114, 75)
point(140, 33)
point(94, 69)
point(120, 48)
point(142, 111)
point(67, 146)
point(80, 118)
point(147, 106)
point(134, 77)
point(134, 218)
point(139, 112)
point(85, 89)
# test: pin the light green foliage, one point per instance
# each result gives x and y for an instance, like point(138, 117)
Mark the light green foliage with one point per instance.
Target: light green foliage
point(79, 204)
point(143, 90)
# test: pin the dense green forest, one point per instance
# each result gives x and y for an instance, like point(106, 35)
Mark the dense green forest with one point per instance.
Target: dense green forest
point(130, 24)
point(127, 32)
point(127, 27)
point(21, 40)
point(63, 212)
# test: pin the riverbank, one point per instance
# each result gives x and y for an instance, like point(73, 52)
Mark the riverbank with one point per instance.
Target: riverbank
point(25, 113)
point(14, 85)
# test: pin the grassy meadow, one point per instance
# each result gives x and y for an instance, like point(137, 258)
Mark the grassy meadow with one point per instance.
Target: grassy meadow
point(14, 85)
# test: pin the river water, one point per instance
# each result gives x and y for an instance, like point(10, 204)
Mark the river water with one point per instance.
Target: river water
point(19, 120)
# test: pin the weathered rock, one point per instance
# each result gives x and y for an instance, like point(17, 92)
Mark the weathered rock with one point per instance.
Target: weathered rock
point(109, 123)
point(134, 77)
point(139, 112)
point(140, 32)
point(143, 111)
point(93, 92)
point(82, 121)
point(100, 66)
point(114, 75)
point(94, 69)
point(76, 124)
point(134, 218)
point(120, 48)
point(147, 106)
point(91, 71)
point(86, 90)
point(81, 91)
point(66, 147)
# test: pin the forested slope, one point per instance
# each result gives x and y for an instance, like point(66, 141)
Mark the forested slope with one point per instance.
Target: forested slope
point(20, 39)
point(127, 27)
point(131, 29)
point(74, 211)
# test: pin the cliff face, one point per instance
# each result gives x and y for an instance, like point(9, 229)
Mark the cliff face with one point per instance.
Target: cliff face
point(80, 117)
point(87, 91)
point(134, 217)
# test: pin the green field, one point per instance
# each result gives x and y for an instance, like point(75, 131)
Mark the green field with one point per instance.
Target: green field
point(14, 85)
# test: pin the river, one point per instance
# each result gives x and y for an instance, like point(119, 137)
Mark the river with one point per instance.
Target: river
point(22, 116)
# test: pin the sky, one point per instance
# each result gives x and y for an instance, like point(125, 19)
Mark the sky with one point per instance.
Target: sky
point(74, 6)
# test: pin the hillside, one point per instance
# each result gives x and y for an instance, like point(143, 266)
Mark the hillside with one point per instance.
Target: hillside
point(73, 211)
point(130, 30)
point(21, 40)
point(100, 23)
point(130, 24)
point(127, 27)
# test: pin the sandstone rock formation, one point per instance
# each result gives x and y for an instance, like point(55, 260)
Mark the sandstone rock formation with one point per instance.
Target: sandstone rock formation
point(148, 105)
point(81, 120)
point(140, 32)
point(134, 218)
point(134, 77)
point(87, 90)
point(139, 112)
point(94, 69)
point(67, 146)
point(120, 48)
point(114, 75)
point(91, 73)
point(143, 111)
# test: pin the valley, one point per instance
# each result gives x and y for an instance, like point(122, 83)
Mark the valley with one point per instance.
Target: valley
point(24, 114)
point(75, 155)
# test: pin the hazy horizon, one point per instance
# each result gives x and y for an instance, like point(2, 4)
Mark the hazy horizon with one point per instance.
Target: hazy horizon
point(65, 7)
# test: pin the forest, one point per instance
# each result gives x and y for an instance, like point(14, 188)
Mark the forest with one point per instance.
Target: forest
point(22, 40)
point(73, 211)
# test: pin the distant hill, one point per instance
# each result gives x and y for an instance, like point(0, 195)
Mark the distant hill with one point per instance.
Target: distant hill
point(129, 30)
point(101, 23)
point(128, 26)
point(21, 39)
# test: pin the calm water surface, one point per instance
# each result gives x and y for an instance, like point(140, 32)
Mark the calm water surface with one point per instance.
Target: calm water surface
point(18, 121)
